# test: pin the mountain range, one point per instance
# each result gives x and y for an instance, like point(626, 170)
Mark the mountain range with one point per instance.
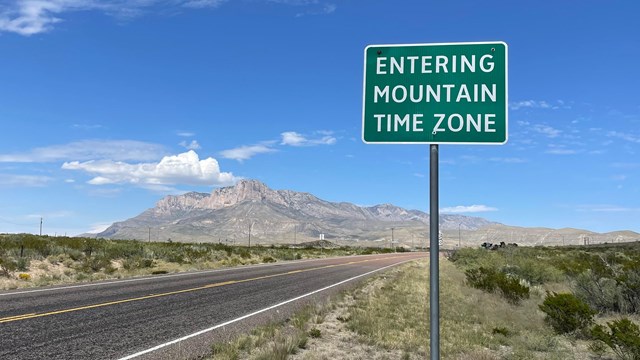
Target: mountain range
point(252, 210)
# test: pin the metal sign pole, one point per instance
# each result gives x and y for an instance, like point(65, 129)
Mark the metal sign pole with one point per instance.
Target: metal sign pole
point(434, 269)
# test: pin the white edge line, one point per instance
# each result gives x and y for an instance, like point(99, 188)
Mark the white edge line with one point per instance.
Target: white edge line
point(186, 273)
point(255, 313)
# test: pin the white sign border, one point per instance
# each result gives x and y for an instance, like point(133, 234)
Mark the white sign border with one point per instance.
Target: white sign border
point(506, 95)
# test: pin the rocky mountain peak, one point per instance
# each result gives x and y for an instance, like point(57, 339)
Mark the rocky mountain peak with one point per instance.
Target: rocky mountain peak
point(244, 190)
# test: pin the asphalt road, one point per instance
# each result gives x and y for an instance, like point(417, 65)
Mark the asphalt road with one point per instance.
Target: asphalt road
point(167, 316)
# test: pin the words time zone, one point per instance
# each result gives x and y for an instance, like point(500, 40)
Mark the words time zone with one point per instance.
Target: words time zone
point(441, 123)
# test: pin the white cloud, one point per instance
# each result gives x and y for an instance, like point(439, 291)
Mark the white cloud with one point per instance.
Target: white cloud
point(246, 152)
point(199, 4)
point(539, 104)
point(508, 160)
point(52, 215)
point(546, 130)
point(30, 17)
point(98, 228)
point(87, 126)
point(293, 138)
point(561, 151)
point(193, 145)
point(184, 169)
point(119, 150)
point(624, 136)
point(529, 104)
point(12, 180)
point(185, 134)
point(468, 209)
point(606, 208)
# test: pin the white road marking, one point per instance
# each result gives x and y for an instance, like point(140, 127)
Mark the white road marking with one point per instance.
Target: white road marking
point(255, 313)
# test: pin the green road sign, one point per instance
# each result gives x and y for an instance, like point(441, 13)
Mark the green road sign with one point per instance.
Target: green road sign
point(435, 93)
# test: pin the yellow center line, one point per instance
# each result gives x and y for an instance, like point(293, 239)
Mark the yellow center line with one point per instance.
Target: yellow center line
point(36, 315)
point(17, 317)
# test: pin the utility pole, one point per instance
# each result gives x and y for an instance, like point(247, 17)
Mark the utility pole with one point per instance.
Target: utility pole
point(392, 237)
point(459, 236)
point(40, 226)
point(250, 226)
point(149, 233)
point(295, 233)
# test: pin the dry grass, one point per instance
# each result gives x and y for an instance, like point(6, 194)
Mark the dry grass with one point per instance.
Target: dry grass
point(275, 341)
point(388, 318)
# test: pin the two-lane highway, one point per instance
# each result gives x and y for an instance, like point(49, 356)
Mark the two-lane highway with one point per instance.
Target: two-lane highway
point(148, 317)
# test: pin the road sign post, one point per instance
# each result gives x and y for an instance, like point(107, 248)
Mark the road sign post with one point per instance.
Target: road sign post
point(448, 93)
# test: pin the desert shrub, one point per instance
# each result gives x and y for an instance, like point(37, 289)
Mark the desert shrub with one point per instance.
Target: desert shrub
point(482, 278)
point(39, 245)
point(7, 265)
point(243, 252)
point(534, 271)
point(268, 259)
point(620, 294)
point(566, 313)
point(196, 253)
point(75, 254)
point(22, 264)
point(315, 333)
point(466, 258)
point(629, 288)
point(93, 264)
point(574, 262)
point(597, 348)
point(623, 337)
point(512, 290)
point(137, 263)
point(491, 280)
point(109, 268)
point(501, 330)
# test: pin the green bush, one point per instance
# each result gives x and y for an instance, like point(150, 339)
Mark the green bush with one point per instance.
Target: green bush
point(501, 330)
point(137, 263)
point(620, 294)
point(315, 333)
point(491, 280)
point(623, 337)
point(566, 313)
point(93, 264)
point(600, 293)
point(243, 252)
point(534, 271)
point(629, 283)
point(268, 259)
point(482, 278)
point(7, 266)
point(22, 264)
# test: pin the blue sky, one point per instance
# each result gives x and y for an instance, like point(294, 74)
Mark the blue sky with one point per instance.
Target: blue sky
point(106, 106)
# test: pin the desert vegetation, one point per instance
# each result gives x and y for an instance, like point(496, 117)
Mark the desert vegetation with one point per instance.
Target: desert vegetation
point(511, 303)
point(29, 260)
point(591, 294)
